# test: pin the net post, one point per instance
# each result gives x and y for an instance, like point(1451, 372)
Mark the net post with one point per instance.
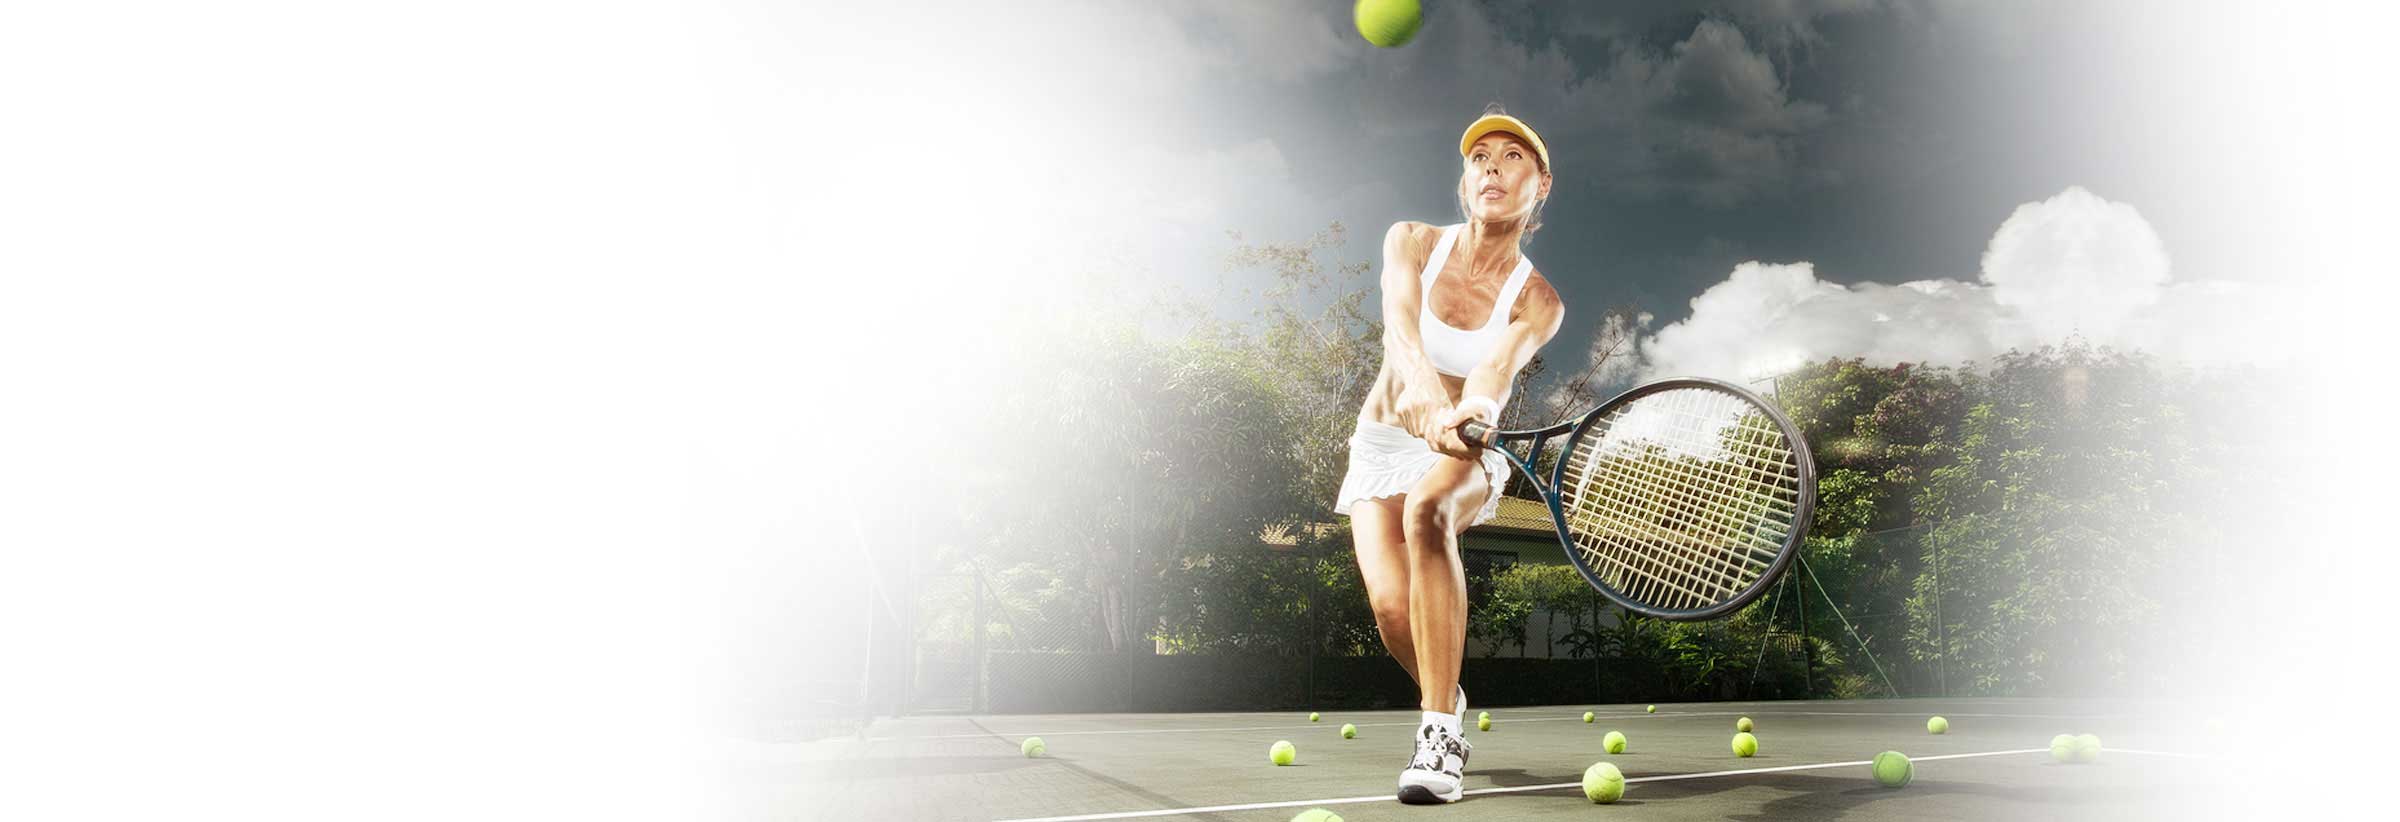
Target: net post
point(1808, 647)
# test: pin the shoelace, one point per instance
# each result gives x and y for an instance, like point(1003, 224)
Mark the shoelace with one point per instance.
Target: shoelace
point(1429, 756)
point(1432, 744)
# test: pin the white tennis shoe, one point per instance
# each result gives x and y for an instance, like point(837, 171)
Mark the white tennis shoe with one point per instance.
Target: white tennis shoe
point(1436, 773)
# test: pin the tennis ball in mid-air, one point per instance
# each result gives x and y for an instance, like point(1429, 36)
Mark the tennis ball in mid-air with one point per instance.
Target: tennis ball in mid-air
point(2087, 748)
point(1388, 23)
point(1587, 717)
point(1349, 731)
point(1312, 716)
point(1892, 769)
point(1937, 725)
point(1603, 783)
point(1317, 815)
point(1742, 724)
point(1745, 745)
point(1483, 723)
point(1654, 709)
point(1614, 742)
point(1033, 746)
point(2062, 748)
point(1282, 753)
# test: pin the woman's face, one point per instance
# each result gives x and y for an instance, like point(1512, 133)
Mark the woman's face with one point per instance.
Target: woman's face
point(1500, 180)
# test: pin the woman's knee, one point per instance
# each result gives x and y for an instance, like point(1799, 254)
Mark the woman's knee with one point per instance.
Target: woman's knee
point(1426, 519)
point(1391, 612)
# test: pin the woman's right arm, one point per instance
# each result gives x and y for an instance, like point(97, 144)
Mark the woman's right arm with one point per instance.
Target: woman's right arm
point(1422, 398)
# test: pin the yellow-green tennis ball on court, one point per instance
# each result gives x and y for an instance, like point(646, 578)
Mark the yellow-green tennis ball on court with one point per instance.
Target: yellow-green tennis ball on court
point(1742, 724)
point(1603, 783)
point(1614, 742)
point(1654, 709)
point(1587, 717)
point(1388, 23)
point(1312, 716)
point(1317, 815)
point(2087, 748)
point(1282, 753)
point(1937, 725)
point(1892, 769)
point(1483, 723)
point(2062, 748)
point(1033, 746)
point(1349, 731)
point(1745, 745)
point(1483, 714)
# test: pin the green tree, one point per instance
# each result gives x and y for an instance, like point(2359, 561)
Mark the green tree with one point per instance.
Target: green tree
point(2052, 521)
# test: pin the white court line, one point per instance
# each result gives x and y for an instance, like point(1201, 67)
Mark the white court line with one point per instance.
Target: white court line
point(1048, 734)
point(1386, 797)
point(1495, 718)
point(2160, 753)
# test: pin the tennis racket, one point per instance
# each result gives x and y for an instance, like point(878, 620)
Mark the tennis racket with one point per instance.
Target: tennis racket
point(1680, 499)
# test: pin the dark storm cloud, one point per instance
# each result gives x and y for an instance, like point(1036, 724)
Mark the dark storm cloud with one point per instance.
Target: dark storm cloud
point(1703, 116)
point(1878, 141)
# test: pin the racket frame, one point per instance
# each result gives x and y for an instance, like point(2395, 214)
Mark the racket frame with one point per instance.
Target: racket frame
point(1575, 431)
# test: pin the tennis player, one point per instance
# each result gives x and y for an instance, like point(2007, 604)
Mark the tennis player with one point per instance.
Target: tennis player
point(1463, 311)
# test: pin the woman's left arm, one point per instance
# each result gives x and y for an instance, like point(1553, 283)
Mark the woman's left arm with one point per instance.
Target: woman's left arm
point(1487, 387)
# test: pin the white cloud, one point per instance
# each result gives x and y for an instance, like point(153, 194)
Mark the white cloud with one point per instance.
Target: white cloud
point(2074, 264)
point(2075, 261)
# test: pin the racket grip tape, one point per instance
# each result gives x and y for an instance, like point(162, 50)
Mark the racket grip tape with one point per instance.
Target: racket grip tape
point(1476, 431)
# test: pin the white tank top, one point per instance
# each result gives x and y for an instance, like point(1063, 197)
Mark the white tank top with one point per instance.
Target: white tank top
point(1453, 351)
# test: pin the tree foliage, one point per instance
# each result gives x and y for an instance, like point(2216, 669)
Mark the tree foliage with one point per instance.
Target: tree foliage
point(1994, 528)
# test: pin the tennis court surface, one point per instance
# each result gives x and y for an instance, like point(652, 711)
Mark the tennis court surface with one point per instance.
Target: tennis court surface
point(1994, 763)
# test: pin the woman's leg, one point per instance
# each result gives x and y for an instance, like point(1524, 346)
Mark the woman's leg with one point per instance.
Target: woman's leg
point(1443, 504)
point(1382, 548)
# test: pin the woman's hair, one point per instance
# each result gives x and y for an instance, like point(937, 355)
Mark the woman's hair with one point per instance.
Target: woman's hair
point(1533, 221)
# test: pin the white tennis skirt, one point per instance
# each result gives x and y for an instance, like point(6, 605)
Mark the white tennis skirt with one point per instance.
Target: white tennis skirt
point(1387, 460)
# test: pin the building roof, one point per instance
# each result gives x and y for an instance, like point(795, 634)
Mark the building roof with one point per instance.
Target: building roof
point(1520, 516)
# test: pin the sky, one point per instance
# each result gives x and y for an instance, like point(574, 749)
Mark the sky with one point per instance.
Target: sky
point(1765, 179)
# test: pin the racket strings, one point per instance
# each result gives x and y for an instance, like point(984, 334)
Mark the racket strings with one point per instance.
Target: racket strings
point(1681, 499)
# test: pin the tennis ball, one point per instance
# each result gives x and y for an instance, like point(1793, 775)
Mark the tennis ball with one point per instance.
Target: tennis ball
point(2062, 748)
point(1614, 742)
point(1892, 769)
point(2087, 748)
point(1483, 723)
point(1282, 753)
point(1349, 731)
point(1937, 725)
point(1483, 714)
point(1603, 783)
point(1742, 724)
point(1587, 717)
point(1388, 23)
point(1745, 745)
point(1312, 716)
point(1317, 815)
point(1033, 746)
point(1654, 709)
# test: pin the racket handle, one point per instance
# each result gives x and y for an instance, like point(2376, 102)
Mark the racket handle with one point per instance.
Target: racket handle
point(1476, 431)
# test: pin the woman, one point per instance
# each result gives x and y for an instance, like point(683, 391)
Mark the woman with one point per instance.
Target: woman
point(1463, 310)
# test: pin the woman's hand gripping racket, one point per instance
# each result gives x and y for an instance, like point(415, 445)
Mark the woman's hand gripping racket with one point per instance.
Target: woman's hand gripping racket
point(1681, 499)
